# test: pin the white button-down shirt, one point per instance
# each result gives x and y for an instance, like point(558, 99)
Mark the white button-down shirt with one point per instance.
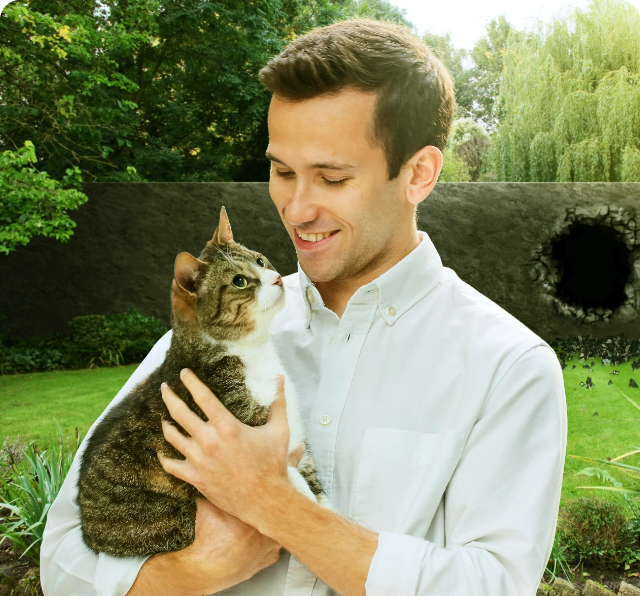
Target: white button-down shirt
point(435, 418)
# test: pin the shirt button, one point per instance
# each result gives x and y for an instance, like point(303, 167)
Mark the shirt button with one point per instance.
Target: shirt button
point(310, 295)
point(324, 420)
point(392, 311)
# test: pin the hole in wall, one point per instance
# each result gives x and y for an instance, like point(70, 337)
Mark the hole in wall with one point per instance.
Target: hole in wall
point(590, 266)
point(593, 266)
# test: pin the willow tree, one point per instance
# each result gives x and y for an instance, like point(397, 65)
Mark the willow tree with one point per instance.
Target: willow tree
point(571, 99)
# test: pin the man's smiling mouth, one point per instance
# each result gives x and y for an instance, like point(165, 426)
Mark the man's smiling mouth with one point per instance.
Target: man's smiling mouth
point(315, 237)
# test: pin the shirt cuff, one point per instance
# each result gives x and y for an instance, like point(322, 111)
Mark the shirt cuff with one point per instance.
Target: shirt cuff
point(115, 576)
point(396, 565)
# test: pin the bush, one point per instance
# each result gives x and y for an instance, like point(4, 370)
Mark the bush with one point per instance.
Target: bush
point(25, 498)
point(97, 340)
point(595, 531)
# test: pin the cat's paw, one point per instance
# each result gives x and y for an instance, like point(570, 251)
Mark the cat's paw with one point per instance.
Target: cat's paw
point(323, 501)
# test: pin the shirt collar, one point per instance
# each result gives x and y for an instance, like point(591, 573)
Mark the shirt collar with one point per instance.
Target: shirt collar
point(398, 289)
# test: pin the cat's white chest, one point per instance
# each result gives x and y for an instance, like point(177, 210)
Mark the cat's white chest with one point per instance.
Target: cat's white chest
point(262, 368)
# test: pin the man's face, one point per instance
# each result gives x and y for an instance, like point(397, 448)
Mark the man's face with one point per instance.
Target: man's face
point(328, 178)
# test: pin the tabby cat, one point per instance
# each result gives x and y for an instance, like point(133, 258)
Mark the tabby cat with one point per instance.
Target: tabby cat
point(222, 305)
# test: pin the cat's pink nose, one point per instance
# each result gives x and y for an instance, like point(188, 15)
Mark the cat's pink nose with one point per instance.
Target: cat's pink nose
point(278, 281)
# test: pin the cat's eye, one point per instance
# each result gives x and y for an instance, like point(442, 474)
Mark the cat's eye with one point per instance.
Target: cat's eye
point(260, 262)
point(239, 281)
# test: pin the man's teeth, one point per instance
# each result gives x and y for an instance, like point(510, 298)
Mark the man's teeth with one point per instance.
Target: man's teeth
point(314, 237)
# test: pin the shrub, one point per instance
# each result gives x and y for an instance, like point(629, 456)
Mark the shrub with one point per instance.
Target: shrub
point(97, 340)
point(595, 531)
point(25, 499)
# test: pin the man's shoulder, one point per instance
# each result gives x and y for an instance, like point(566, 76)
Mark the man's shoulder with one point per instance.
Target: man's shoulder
point(486, 323)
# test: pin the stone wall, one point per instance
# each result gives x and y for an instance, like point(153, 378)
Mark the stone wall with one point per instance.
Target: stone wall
point(562, 258)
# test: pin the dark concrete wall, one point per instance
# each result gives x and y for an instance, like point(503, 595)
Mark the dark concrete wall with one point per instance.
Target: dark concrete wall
point(495, 236)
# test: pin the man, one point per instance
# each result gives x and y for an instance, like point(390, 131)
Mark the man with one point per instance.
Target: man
point(437, 420)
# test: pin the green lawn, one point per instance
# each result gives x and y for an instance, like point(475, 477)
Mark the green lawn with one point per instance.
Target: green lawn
point(31, 404)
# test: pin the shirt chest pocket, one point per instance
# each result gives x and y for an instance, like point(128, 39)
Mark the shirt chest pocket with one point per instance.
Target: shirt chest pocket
point(402, 477)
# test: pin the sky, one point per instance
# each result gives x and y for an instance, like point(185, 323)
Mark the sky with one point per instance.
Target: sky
point(465, 19)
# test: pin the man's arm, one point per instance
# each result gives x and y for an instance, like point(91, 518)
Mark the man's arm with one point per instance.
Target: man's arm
point(500, 506)
point(224, 553)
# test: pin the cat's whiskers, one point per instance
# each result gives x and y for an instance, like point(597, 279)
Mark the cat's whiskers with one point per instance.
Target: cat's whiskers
point(225, 256)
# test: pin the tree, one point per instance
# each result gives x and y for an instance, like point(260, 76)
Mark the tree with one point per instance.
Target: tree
point(167, 87)
point(485, 76)
point(470, 142)
point(379, 10)
point(571, 97)
point(454, 61)
point(32, 203)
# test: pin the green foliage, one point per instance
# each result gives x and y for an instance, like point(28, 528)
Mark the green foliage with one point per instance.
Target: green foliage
point(558, 563)
point(453, 60)
point(379, 10)
point(168, 88)
point(569, 102)
point(32, 203)
point(485, 76)
point(97, 340)
point(27, 495)
point(454, 169)
point(470, 142)
point(595, 531)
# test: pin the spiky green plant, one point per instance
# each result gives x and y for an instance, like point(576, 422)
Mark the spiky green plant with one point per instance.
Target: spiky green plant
point(25, 498)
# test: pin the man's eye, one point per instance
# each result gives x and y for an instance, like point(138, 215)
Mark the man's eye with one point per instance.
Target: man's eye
point(335, 182)
point(284, 174)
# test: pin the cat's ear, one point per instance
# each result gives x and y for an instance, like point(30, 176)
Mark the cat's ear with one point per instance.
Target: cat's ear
point(223, 233)
point(186, 270)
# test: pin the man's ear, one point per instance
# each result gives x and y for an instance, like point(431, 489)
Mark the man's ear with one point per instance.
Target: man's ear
point(423, 170)
point(185, 271)
point(223, 234)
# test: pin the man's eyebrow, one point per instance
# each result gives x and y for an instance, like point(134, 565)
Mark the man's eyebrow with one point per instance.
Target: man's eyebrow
point(317, 166)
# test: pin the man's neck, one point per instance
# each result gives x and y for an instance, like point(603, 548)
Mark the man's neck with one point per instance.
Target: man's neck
point(337, 293)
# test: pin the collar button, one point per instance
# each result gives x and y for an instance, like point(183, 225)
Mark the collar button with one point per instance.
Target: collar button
point(392, 311)
point(325, 420)
point(309, 295)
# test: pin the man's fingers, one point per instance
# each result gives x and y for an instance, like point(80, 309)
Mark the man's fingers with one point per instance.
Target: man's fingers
point(179, 468)
point(205, 398)
point(176, 438)
point(296, 455)
point(180, 411)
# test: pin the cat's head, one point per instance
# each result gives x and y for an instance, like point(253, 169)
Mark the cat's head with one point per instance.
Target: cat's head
point(229, 292)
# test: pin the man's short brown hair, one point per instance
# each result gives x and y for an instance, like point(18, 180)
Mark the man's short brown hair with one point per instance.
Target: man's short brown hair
point(415, 101)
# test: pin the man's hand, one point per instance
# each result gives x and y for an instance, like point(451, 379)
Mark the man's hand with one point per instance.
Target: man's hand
point(234, 465)
point(243, 470)
point(224, 553)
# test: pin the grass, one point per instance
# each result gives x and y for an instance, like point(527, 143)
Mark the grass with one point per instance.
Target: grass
point(31, 404)
point(613, 431)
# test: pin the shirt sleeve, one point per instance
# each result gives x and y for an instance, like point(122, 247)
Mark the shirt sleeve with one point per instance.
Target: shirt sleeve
point(67, 566)
point(501, 505)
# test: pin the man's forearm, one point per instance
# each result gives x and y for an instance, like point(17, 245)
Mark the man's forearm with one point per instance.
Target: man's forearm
point(334, 549)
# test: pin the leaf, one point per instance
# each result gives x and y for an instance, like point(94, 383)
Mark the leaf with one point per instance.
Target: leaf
point(601, 474)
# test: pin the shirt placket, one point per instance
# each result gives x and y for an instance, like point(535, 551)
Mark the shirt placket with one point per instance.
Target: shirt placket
point(337, 374)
